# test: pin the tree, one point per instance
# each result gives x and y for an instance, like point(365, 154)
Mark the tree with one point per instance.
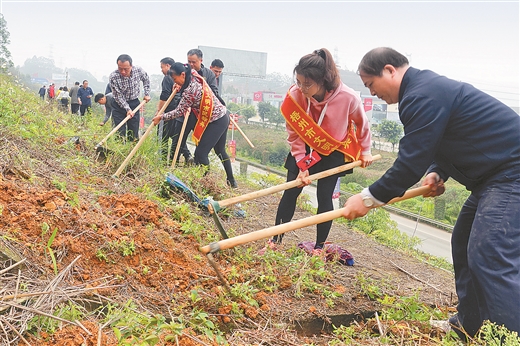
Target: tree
point(275, 116)
point(391, 130)
point(5, 54)
point(242, 110)
point(264, 108)
point(248, 112)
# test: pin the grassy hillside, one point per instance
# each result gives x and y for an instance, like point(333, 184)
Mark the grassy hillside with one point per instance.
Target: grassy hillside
point(89, 259)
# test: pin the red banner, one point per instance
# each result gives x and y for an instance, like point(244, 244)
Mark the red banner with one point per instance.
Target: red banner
point(257, 96)
point(235, 118)
point(368, 104)
point(233, 150)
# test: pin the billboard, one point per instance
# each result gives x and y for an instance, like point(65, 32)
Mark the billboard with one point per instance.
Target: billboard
point(58, 76)
point(242, 63)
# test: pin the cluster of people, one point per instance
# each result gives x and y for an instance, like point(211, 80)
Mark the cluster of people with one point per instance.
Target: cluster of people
point(197, 97)
point(78, 97)
point(451, 130)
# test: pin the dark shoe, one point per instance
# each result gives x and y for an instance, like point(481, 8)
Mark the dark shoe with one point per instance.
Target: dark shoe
point(189, 161)
point(232, 184)
point(456, 326)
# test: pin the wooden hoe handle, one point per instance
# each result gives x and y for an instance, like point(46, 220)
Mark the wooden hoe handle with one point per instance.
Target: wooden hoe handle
point(241, 132)
point(290, 184)
point(119, 125)
point(286, 227)
point(150, 127)
point(181, 135)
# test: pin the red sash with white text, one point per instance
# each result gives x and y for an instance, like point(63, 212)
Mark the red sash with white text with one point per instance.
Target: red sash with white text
point(314, 136)
point(205, 111)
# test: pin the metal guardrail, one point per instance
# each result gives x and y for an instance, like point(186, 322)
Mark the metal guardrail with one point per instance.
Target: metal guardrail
point(401, 212)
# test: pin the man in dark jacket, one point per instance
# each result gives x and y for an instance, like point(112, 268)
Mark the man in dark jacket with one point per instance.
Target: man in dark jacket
point(42, 92)
point(108, 101)
point(85, 94)
point(454, 130)
point(217, 66)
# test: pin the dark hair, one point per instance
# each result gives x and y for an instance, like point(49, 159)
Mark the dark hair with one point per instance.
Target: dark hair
point(178, 68)
point(124, 58)
point(98, 97)
point(77, 83)
point(196, 52)
point(65, 88)
point(374, 62)
point(320, 67)
point(60, 88)
point(85, 81)
point(167, 61)
point(217, 63)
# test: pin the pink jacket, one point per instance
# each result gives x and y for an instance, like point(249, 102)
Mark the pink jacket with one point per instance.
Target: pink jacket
point(344, 104)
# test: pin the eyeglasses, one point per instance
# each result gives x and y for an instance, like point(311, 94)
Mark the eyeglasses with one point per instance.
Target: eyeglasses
point(304, 87)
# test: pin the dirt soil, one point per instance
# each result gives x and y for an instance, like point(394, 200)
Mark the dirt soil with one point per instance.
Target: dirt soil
point(165, 262)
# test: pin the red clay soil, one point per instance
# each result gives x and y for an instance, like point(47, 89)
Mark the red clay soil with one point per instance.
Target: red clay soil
point(165, 262)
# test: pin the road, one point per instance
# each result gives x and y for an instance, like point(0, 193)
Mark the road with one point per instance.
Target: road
point(433, 240)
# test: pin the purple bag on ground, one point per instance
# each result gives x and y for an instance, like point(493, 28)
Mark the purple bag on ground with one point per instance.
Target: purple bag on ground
point(333, 252)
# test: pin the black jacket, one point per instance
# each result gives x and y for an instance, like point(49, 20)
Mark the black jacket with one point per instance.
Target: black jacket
point(450, 128)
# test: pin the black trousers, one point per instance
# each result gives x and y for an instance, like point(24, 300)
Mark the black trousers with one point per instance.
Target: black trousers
point(83, 109)
point(215, 137)
point(130, 129)
point(324, 191)
point(165, 132)
point(74, 108)
point(177, 127)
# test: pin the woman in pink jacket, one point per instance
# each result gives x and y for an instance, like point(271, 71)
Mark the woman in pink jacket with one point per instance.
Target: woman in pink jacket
point(327, 127)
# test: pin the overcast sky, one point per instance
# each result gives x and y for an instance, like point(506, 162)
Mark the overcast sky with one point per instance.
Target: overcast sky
point(476, 42)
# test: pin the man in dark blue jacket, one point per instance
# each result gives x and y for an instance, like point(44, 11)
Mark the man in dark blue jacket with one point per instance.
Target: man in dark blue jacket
point(85, 94)
point(455, 130)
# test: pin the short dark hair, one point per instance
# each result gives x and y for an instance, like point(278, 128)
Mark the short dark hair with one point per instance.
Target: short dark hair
point(167, 61)
point(65, 88)
point(85, 81)
point(77, 83)
point(98, 97)
point(374, 62)
point(217, 63)
point(124, 58)
point(196, 52)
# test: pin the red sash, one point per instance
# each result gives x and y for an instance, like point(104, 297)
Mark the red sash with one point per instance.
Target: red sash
point(314, 136)
point(205, 111)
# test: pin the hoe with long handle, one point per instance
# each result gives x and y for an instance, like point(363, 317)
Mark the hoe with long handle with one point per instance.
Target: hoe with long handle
point(286, 227)
point(147, 132)
point(179, 141)
point(214, 207)
point(241, 132)
point(119, 126)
